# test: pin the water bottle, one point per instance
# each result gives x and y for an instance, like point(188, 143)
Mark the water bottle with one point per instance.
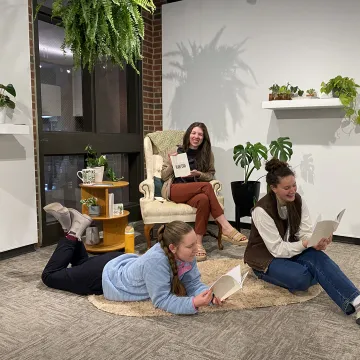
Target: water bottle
point(129, 239)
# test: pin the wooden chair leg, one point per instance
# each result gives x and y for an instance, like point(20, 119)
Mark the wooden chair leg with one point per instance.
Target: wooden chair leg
point(147, 230)
point(219, 237)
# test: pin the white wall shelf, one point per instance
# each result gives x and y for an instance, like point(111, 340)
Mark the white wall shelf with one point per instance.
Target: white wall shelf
point(302, 104)
point(13, 129)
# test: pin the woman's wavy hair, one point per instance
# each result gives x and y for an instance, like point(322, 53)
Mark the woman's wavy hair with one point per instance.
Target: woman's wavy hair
point(172, 233)
point(276, 170)
point(204, 154)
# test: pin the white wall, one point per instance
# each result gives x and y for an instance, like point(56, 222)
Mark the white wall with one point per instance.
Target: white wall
point(220, 57)
point(18, 224)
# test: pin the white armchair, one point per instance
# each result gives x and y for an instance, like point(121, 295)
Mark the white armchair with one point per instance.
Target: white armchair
point(157, 212)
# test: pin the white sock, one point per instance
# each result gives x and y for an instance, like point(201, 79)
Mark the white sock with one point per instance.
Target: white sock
point(356, 303)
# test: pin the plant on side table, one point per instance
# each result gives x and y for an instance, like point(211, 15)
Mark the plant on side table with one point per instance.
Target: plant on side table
point(100, 162)
point(345, 89)
point(250, 157)
point(5, 100)
point(91, 203)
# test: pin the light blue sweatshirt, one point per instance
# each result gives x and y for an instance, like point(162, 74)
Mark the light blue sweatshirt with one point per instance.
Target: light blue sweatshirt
point(130, 277)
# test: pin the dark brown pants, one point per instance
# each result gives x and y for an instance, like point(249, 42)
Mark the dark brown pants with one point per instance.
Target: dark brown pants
point(201, 196)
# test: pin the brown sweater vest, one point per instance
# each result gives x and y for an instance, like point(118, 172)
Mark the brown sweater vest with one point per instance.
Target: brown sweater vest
point(257, 256)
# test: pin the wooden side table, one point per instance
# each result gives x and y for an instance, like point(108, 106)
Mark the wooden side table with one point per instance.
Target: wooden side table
point(113, 226)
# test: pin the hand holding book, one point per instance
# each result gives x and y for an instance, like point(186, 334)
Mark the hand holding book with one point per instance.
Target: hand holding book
point(323, 231)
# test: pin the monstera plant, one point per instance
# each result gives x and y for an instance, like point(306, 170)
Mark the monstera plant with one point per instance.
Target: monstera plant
point(250, 157)
point(102, 30)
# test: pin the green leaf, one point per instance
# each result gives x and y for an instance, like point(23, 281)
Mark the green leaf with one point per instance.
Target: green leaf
point(242, 156)
point(249, 154)
point(10, 89)
point(281, 148)
point(345, 100)
point(101, 31)
point(10, 104)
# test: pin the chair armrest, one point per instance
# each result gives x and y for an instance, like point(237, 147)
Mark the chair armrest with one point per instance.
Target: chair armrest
point(217, 186)
point(147, 188)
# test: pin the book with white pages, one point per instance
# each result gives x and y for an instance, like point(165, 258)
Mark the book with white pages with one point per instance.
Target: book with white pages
point(324, 229)
point(180, 163)
point(229, 283)
point(111, 204)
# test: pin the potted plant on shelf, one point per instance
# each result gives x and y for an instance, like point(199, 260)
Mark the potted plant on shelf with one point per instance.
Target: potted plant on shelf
point(250, 156)
point(296, 92)
point(345, 89)
point(274, 91)
point(311, 93)
point(100, 164)
point(91, 203)
point(5, 100)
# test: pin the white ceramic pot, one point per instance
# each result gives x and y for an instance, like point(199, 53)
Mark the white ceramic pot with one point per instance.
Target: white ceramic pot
point(2, 115)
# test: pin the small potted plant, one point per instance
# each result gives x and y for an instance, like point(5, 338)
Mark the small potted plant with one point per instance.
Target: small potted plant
point(100, 163)
point(311, 93)
point(296, 91)
point(5, 101)
point(345, 89)
point(274, 91)
point(91, 203)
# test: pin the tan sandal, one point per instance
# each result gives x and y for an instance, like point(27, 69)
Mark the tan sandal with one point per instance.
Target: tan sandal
point(236, 237)
point(201, 254)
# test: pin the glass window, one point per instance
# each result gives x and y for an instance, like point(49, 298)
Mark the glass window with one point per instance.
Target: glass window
point(111, 99)
point(61, 85)
point(61, 181)
point(120, 164)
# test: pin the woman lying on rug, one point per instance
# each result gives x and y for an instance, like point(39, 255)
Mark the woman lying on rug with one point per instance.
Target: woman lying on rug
point(277, 249)
point(195, 190)
point(166, 274)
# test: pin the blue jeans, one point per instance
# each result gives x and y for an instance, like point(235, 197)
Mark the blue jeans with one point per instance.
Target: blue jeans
point(310, 267)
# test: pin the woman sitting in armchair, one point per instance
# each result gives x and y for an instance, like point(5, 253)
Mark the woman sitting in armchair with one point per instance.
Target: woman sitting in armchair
point(195, 189)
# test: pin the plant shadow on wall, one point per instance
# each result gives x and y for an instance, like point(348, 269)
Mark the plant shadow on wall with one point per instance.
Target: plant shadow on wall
point(307, 168)
point(208, 87)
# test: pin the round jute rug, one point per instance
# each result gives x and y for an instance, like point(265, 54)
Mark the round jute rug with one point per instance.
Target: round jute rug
point(254, 294)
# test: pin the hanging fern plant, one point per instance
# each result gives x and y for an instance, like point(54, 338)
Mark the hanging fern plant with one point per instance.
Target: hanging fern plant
point(101, 30)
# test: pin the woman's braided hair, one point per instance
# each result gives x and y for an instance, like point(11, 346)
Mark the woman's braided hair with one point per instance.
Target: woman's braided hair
point(172, 233)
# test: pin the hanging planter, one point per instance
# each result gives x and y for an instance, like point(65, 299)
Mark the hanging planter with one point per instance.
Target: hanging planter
point(101, 30)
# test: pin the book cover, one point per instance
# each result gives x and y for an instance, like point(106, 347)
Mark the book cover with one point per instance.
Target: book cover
point(180, 165)
point(111, 204)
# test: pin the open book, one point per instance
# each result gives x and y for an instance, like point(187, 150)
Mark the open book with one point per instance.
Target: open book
point(180, 165)
point(325, 228)
point(228, 284)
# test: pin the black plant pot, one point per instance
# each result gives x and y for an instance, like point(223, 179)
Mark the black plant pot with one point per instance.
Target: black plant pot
point(245, 196)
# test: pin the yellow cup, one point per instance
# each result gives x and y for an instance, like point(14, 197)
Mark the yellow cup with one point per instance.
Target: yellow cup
point(129, 239)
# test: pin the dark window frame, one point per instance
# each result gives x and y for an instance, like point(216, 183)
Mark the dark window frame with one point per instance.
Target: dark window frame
point(73, 143)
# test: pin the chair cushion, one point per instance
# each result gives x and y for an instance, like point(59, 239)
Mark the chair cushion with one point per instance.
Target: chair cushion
point(158, 183)
point(167, 208)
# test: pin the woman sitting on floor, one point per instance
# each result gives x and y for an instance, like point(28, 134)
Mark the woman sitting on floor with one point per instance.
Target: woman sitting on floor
point(278, 244)
point(166, 274)
point(195, 190)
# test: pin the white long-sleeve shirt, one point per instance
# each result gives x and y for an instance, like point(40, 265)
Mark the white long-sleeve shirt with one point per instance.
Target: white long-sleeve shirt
point(278, 247)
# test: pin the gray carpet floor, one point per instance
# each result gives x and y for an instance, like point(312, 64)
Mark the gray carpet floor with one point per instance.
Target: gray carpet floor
point(39, 323)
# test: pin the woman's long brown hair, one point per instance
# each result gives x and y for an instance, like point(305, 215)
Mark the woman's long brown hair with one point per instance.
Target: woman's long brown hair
point(204, 154)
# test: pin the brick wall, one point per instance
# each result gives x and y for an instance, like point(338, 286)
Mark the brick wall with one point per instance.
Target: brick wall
point(152, 72)
point(34, 113)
